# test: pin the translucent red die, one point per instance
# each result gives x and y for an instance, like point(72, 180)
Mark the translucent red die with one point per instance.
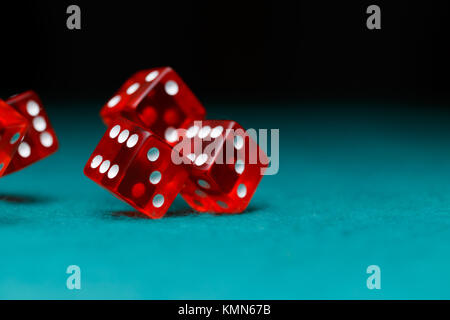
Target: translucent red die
point(40, 141)
point(225, 166)
point(135, 166)
point(13, 127)
point(156, 99)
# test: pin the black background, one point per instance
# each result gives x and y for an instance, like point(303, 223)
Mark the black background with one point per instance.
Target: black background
point(229, 50)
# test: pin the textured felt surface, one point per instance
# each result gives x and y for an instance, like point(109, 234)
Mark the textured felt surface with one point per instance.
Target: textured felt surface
point(357, 186)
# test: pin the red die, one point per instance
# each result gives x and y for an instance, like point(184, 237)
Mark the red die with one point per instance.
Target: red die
point(226, 166)
point(40, 140)
point(12, 130)
point(156, 99)
point(135, 166)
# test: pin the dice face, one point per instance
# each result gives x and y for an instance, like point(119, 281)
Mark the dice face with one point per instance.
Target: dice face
point(226, 166)
point(156, 99)
point(40, 141)
point(13, 127)
point(152, 181)
point(135, 166)
point(114, 153)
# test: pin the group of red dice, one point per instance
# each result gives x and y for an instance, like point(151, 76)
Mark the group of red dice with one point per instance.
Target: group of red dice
point(26, 135)
point(158, 145)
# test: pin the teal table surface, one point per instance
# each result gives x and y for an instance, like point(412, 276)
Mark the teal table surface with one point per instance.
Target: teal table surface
point(358, 185)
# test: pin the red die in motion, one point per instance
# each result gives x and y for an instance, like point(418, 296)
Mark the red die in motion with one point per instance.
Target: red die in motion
point(226, 166)
point(40, 140)
point(156, 99)
point(12, 130)
point(135, 166)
